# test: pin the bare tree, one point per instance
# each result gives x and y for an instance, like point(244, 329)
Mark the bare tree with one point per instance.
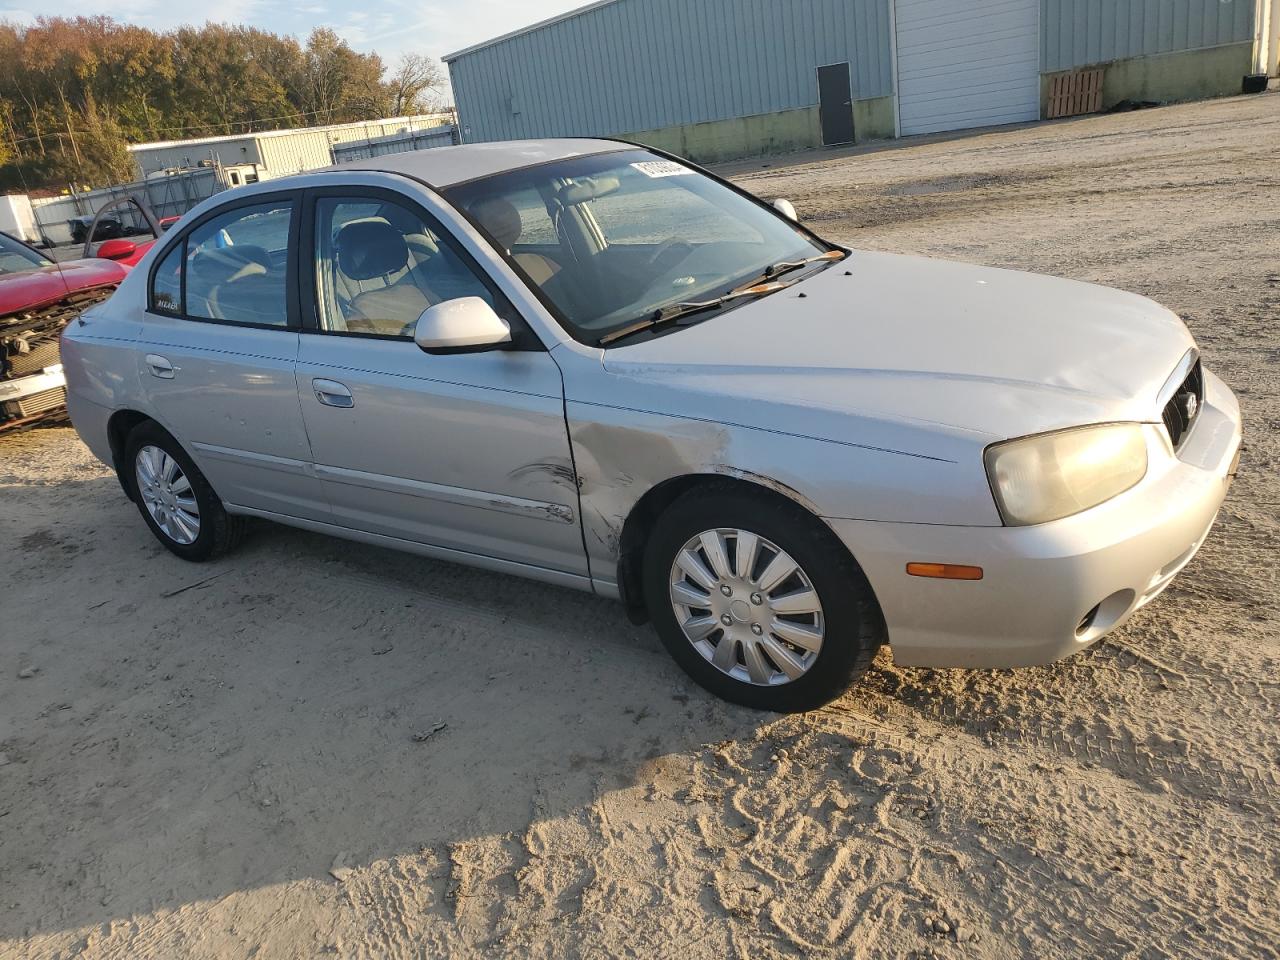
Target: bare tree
point(412, 86)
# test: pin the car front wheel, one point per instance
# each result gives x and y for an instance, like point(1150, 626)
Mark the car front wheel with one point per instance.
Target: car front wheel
point(175, 499)
point(758, 601)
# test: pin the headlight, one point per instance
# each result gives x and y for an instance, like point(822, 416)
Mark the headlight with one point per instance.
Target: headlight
point(1042, 478)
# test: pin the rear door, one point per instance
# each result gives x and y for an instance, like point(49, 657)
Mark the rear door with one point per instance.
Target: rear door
point(467, 452)
point(217, 350)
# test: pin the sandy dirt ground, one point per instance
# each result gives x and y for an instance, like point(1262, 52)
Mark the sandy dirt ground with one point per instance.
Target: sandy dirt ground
point(312, 748)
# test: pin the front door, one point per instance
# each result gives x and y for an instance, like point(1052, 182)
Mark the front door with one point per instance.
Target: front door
point(216, 356)
point(835, 103)
point(467, 451)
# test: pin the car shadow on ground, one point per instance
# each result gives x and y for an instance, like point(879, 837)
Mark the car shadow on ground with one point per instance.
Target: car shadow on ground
point(194, 730)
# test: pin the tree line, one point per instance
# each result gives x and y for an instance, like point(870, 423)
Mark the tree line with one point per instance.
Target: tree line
point(75, 91)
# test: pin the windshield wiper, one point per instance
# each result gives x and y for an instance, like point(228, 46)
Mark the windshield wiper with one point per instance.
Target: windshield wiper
point(675, 311)
point(759, 287)
point(787, 266)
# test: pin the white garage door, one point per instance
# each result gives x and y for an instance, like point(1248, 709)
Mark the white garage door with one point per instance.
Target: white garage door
point(967, 63)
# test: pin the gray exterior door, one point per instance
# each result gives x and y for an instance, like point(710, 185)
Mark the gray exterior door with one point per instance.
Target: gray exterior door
point(835, 104)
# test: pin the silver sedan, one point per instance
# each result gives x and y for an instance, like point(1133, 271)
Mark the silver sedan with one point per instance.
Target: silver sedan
point(592, 364)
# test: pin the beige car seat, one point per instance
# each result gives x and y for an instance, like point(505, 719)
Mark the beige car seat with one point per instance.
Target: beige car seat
point(371, 249)
point(501, 220)
point(421, 248)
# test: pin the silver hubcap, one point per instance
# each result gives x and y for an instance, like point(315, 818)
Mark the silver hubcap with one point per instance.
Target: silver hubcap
point(747, 607)
point(166, 493)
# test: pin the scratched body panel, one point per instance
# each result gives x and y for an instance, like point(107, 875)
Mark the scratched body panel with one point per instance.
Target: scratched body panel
point(641, 439)
point(467, 452)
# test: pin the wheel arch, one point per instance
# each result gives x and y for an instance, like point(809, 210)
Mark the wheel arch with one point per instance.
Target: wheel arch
point(119, 425)
point(643, 516)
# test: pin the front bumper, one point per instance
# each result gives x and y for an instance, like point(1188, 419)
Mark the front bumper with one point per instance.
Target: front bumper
point(33, 395)
point(1055, 588)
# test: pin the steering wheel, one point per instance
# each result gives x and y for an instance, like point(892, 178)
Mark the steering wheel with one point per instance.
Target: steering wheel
point(673, 249)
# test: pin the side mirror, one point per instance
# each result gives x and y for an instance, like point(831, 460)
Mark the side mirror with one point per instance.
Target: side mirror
point(117, 249)
point(460, 326)
point(785, 208)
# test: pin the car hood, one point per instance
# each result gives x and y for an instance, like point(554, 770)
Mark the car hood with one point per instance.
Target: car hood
point(44, 285)
point(978, 350)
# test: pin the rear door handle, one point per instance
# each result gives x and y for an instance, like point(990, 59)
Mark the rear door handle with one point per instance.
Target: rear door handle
point(332, 393)
point(160, 366)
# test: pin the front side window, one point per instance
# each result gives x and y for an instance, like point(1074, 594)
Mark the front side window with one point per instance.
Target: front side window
point(236, 266)
point(611, 239)
point(379, 265)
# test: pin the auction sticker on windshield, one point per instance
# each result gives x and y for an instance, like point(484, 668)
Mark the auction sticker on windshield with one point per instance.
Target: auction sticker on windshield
point(661, 168)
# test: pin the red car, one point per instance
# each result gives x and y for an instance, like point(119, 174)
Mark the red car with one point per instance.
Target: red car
point(37, 299)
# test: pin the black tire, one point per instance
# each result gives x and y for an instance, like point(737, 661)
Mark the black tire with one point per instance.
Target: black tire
point(854, 626)
point(219, 530)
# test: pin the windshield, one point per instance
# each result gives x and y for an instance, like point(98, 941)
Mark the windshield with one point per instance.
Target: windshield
point(17, 257)
point(613, 238)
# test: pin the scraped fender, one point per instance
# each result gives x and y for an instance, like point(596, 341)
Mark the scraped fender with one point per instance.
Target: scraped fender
point(769, 483)
point(632, 464)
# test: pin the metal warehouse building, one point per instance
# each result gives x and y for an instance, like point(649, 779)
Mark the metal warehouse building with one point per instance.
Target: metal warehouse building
point(274, 153)
point(713, 79)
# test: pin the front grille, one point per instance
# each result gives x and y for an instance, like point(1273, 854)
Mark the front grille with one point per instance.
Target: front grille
point(29, 339)
point(39, 355)
point(1183, 408)
point(37, 403)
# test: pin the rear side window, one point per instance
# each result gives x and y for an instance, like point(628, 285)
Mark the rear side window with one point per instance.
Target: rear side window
point(166, 285)
point(236, 269)
point(232, 268)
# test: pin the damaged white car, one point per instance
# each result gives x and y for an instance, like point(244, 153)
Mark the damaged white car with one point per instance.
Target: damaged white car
point(592, 364)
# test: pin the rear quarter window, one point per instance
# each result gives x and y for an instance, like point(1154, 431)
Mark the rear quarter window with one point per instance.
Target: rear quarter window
point(166, 283)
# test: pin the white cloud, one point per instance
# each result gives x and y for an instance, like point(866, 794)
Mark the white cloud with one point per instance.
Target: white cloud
point(443, 27)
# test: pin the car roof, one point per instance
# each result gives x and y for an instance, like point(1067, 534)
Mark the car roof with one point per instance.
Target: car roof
point(447, 166)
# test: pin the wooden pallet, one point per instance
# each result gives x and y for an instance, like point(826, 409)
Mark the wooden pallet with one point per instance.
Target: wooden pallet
point(1074, 93)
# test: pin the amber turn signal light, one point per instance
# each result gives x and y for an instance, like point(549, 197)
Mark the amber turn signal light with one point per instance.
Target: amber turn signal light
point(944, 571)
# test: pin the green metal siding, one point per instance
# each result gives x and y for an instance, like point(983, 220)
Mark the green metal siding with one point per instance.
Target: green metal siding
point(1079, 32)
point(648, 64)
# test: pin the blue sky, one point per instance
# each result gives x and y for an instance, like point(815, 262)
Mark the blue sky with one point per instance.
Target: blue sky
point(389, 27)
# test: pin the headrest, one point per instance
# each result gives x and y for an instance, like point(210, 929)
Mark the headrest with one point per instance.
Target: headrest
point(500, 219)
point(370, 248)
point(400, 218)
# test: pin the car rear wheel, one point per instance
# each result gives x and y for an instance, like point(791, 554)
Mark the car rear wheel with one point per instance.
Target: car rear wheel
point(175, 499)
point(758, 601)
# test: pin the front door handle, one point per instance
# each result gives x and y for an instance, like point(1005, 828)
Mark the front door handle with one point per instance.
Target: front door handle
point(160, 366)
point(332, 393)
